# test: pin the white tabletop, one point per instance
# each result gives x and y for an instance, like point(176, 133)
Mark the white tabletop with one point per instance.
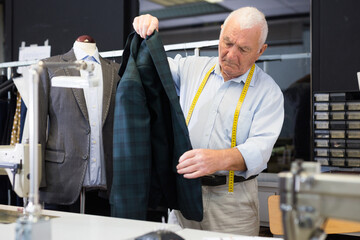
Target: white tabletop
point(81, 226)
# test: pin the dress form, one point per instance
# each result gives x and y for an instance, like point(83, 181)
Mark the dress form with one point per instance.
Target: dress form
point(86, 43)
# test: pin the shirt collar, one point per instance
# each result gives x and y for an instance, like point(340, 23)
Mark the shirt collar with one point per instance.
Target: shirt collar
point(80, 54)
point(239, 79)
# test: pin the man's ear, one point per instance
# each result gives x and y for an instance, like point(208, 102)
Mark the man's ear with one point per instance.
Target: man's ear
point(262, 49)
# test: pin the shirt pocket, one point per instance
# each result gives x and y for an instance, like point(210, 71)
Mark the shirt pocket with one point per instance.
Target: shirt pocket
point(244, 125)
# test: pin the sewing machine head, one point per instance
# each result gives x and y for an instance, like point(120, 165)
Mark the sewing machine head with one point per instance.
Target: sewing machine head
point(15, 161)
point(309, 197)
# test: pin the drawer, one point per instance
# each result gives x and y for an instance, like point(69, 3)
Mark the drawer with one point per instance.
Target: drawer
point(353, 153)
point(353, 124)
point(321, 152)
point(337, 153)
point(321, 125)
point(321, 106)
point(337, 143)
point(353, 162)
point(321, 143)
point(337, 134)
point(337, 106)
point(353, 106)
point(322, 134)
point(321, 97)
point(337, 125)
point(353, 134)
point(352, 143)
point(337, 115)
point(321, 116)
point(323, 161)
point(337, 96)
point(337, 162)
point(353, 115)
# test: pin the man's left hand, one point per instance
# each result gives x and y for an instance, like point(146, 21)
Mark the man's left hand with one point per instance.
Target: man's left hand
point(200, 162)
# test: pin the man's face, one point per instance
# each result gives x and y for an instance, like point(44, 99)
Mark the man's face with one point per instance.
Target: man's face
point(238, 49)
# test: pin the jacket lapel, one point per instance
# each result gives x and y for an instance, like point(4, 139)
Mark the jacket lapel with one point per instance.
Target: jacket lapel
point(78, 92)
point(159, 58)
point(108, 84)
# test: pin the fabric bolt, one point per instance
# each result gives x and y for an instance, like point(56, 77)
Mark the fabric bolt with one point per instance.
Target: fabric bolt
point(64, 131)
point(150, 135)
point(95, 174)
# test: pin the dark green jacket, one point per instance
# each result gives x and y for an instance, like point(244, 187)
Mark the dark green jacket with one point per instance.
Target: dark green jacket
point(150, 134)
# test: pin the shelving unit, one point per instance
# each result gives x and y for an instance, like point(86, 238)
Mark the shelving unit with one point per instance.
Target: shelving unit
point(336, 129)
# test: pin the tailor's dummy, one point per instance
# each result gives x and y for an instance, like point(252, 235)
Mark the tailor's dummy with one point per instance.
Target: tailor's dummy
point(86, 43)
point(78, 140)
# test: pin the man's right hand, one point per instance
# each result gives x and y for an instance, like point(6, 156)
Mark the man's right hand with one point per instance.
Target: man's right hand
point(145, 25)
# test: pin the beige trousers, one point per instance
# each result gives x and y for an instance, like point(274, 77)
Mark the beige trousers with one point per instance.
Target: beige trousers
point(236, 213)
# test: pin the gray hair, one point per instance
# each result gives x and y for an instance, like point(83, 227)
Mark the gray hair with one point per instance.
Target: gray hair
point(249, 17)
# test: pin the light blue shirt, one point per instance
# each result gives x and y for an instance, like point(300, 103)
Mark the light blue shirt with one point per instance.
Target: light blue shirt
point(261, 115)
point(95, 172)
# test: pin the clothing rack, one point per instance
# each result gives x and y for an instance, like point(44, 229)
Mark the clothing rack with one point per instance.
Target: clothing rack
point(171, 47)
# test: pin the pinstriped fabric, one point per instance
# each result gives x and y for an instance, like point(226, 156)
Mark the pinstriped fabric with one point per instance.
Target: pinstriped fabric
point(150, 135)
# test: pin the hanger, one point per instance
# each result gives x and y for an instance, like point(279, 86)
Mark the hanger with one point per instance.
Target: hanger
point(85, 39)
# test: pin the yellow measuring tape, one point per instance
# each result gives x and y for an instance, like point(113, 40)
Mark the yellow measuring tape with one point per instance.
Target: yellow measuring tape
point(236, 115)
point(197, 95)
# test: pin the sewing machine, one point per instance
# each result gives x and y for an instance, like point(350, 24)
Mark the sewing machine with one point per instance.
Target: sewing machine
point(308, 197)
point(15, 161)
point(22, 162)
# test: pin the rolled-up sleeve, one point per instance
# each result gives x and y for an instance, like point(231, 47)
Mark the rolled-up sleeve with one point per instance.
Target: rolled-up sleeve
point(264, 131)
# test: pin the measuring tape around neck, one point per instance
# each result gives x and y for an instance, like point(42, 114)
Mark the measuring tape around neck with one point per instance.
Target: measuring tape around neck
point(236, 115)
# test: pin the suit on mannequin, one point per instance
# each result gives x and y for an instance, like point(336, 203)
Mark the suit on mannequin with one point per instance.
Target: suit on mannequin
point(66, 130)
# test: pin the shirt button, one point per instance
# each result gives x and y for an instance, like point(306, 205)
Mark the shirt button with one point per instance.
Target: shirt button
point(84, 157)
point(94, 159)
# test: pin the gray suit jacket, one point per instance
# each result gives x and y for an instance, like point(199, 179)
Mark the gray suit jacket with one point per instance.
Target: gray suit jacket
point(66, 141)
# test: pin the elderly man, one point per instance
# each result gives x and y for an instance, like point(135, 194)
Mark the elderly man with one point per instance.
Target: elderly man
point(234, 112)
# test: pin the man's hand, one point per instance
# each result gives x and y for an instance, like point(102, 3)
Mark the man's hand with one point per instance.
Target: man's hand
point(200, 162)
point(145, 25)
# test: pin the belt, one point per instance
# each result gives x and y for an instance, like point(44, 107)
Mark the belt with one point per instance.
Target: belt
point(214, 180)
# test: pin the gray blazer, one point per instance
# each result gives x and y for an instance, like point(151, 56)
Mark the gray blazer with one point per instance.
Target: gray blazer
point(66, 141)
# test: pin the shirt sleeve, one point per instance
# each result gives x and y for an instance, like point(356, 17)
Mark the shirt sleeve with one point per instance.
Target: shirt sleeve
point(174, 64)
point(264, 131)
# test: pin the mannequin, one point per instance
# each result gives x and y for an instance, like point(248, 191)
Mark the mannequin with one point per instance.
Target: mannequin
point(86, 43)
point(85, 39)
point(76, 134)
